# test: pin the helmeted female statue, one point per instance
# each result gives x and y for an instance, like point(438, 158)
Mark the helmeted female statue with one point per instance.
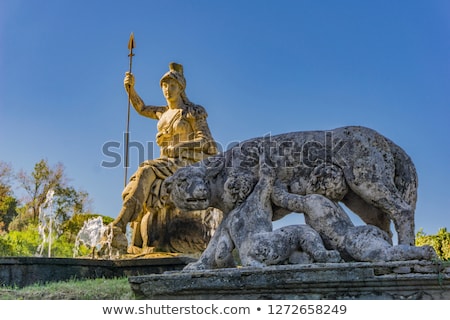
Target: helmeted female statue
point(184, 138)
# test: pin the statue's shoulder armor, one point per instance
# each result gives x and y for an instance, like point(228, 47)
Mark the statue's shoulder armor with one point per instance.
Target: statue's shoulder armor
point(196, 111)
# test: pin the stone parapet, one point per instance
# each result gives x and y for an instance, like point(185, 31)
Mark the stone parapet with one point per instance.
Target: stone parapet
point(419, 280)
point(24, 271)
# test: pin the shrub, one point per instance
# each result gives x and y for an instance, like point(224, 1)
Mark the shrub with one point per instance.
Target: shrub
point(440, 242)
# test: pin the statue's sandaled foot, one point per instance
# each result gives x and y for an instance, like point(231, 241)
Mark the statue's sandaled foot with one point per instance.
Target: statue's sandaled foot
point(134, 250)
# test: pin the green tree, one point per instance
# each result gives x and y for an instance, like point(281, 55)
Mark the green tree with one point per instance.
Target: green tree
point(5, 247)
point(440, 242)
point(8, 211)
point(20, 243)
point(5, 178)
point(38, 184)
point(8, 203)
point(26, 242)
point(68, 201)
point(20, 222)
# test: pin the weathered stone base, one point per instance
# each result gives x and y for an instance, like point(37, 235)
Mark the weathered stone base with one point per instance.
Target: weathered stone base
point(333, 281)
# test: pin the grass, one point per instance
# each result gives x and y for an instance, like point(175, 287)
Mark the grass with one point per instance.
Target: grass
point(96, 289)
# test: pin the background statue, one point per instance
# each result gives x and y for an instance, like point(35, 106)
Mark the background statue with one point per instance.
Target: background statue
point(184, 138)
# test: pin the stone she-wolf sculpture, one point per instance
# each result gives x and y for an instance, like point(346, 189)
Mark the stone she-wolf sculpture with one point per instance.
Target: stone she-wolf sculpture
point(248, 228)
point(184, 138)
point(369, 173)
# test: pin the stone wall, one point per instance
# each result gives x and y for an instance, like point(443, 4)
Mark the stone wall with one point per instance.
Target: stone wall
point(23, 271)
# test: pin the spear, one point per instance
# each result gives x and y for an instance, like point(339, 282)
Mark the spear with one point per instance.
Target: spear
point(127, 133)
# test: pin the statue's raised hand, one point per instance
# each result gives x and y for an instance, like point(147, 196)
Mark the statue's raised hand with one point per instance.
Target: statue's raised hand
point(128, 82)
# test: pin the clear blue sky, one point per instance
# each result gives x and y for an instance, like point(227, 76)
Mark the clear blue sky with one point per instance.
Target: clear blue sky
point(258, 67)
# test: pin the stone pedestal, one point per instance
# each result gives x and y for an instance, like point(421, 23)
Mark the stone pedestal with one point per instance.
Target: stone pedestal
point(332, 281)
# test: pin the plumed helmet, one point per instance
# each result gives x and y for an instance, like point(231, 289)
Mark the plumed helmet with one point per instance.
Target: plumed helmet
point(175, 72)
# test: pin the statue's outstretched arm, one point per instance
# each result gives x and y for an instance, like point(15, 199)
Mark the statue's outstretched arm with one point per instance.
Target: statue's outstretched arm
point(153, 112)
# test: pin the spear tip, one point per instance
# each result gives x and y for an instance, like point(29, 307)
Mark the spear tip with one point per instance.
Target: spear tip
point(131, 42)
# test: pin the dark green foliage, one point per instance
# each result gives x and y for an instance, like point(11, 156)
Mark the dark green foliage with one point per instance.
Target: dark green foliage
point(8, 211)
point(5, 247)
point(8, 204)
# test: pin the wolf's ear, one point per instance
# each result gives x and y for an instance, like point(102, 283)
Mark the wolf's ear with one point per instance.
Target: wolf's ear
point(166, 189)
point(213, 166)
